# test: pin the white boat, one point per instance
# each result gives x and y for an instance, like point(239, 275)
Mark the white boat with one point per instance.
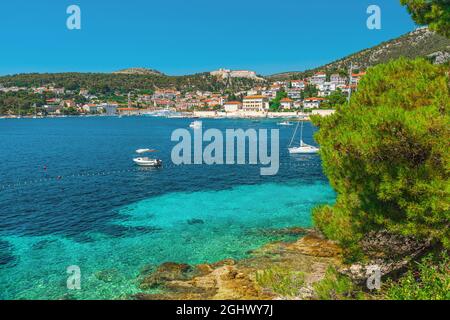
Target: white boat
point(303, 148)
point(196, 125)
point(285, 123)
point(146, 161)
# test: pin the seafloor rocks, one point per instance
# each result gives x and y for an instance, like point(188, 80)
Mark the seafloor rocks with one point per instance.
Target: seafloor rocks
point(195, 221)
point(107, 275)
point(230, 279)
point(7, 258)
point(168, 271)
point(387, 252)
point(291, 231)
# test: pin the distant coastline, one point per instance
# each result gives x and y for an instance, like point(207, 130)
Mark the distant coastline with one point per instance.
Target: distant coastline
point(196, 114)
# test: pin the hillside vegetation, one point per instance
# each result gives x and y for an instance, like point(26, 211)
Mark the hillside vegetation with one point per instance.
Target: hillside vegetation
point(104, 83)
point(143, 71)
point(419, 43)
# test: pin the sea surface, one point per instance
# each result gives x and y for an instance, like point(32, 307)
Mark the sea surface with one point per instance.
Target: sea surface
point(70, 195)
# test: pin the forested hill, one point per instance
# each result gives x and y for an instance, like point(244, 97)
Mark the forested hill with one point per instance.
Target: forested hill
point(105, 83)
point(419, 43)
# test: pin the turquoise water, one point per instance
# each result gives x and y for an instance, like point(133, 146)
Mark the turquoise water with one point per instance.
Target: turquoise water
point(113, 223)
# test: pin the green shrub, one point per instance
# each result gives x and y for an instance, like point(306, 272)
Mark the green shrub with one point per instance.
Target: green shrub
point(387, 155)
point(430, 281)
point(336, 287)
point(434, 13)
point(281, 281)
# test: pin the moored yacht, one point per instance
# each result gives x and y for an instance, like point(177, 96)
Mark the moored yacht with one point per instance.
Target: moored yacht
point(285, 123)
point(196, 125)
point(303, 148)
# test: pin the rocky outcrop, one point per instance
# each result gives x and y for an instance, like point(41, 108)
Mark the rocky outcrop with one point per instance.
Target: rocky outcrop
point(440, 57)
point(230, 279)
point(387, 252)
point(169, 271)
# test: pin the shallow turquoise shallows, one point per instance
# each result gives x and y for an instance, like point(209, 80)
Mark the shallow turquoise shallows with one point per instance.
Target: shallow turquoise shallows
point(72, 196)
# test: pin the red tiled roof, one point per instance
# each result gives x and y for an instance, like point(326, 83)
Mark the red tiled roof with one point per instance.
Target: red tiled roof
point(233, 102)
point(314, 99)
point(254, 97)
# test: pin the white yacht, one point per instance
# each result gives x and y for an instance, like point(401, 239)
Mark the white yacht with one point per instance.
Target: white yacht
point(196, 125)
point(303, 148)
point(146, 161)
point(285, 123)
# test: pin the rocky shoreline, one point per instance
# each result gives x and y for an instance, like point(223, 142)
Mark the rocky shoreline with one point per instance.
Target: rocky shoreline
point(311, 255)
point(229, 279)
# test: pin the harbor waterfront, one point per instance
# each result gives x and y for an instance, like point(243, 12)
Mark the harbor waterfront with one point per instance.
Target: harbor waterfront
point(205, 114)
point(70, 194)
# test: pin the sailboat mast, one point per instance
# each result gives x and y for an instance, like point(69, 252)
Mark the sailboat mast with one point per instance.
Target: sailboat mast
point(301, 136)
point(350, 82)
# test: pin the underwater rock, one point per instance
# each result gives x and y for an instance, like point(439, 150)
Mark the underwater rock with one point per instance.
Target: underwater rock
point(43, 244)
point(120, 231)
point(7, 258)
point(146, 269)
point(224, 262)
point(168, 271)
point(292, 231)
point(195, 221)
point(107, 275)
point(82, 238)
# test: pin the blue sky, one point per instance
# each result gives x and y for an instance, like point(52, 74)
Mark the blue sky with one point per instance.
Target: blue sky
point(188, 36)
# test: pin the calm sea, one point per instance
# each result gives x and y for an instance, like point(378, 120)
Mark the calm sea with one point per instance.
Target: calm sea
point(70, 195)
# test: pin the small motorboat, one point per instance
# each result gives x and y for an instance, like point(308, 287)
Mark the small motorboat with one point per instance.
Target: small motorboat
point(146, 161)
point(285, 123)
point(196, 125)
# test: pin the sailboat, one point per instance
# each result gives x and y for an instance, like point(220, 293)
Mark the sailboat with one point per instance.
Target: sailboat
point(303, 148)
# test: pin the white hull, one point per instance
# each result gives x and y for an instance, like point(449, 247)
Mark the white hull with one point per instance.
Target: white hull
point(196, 125)
point(147, 162)
point(304, 149)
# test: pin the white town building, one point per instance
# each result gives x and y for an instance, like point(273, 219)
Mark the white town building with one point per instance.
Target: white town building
point(312, 103)
point(255, 103)
point(286, 103)
point(232, 106)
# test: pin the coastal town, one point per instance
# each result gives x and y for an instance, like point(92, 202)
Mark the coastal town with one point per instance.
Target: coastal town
point(319, 93)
